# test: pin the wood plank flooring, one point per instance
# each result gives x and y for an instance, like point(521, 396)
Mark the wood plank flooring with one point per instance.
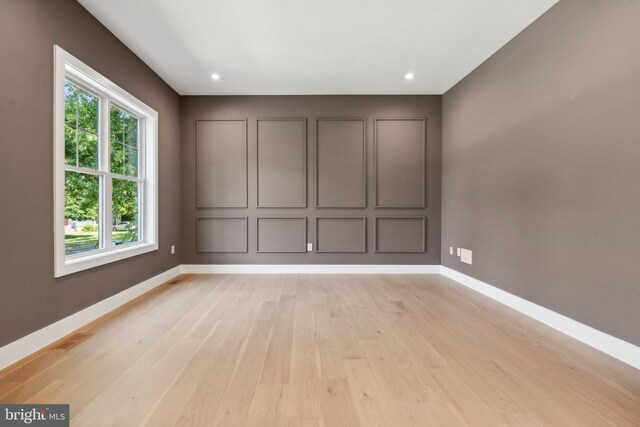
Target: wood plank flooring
point(325, 350)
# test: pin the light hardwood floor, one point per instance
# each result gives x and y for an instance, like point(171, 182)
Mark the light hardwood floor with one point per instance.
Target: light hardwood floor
point(325, 350)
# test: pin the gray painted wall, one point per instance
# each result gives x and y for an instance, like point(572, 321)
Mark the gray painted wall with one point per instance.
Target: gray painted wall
point(304, 169)
point(541, 148)
point(30, 296)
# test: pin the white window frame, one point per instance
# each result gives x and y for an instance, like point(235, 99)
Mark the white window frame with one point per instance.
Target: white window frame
point(68, 67)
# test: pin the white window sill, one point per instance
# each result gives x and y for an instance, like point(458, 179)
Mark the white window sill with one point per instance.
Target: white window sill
point(75, 264)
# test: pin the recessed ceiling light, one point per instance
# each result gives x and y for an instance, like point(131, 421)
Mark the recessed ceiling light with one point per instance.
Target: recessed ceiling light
point(215, 76)
point(408, 76)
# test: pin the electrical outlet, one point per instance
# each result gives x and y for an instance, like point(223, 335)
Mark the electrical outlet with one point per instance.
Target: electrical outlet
point(173, 249)
point(450, 250)
point(458, 252)
point(466, 256)
point(309, 247)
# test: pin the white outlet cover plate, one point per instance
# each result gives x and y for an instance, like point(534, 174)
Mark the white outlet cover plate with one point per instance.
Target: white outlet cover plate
point(466, 256)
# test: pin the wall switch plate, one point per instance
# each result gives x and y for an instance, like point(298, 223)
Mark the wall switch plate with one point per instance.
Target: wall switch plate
point(309, 247)
point(466, 256)
point(173, 249)
point(451, 250)
point(458, 252)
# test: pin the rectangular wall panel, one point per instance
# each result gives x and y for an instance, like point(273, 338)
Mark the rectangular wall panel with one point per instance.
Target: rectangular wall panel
point(282, 235)
point(400, 163)
point(341, 163)
point(222, 234)
point(282, 163)
point(403, 235)
point(341, 235)
point(221, 163)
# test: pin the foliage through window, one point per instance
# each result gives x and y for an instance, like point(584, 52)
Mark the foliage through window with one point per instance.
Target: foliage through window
point(108, 145)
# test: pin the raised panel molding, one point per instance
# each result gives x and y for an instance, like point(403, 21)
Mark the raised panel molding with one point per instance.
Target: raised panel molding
point(281, 163)
point(399, 163)
point(338, 236)
point(222, 234)
point(405, 234)
point(221, 164)
point(341, 163)
point(281, 235)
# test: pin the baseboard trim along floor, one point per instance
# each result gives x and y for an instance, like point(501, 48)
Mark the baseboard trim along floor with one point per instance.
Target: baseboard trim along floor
point(615, 347)
point(308, 269)
point(25, 346)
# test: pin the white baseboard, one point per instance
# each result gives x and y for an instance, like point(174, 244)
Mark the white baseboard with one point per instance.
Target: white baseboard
point(17, 350)
point(615, 347)
point(308, 269)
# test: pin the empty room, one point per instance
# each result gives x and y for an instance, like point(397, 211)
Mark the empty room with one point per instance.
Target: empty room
point(320, 213)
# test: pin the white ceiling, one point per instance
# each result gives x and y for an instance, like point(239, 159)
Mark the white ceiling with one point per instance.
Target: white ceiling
point(293, 47)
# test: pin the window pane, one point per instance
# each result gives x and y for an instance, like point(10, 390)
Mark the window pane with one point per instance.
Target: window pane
point(81, 108)
point(124, 142)
point(87, 150)
point(117, 157)
point(116, 125)
point(81, 212)
point(131, 131)
point(70, 146)
point(125, 212)
point(81, 119)
point(131, 161)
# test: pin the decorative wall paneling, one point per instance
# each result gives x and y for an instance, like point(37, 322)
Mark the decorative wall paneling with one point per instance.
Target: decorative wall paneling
point(319, 170)
point(400, 234)
point(222, 234)
point(281, 166)
point(341, 163)
point(399, 163)
point(221, 164)
point(281, 235)
point(341, 234)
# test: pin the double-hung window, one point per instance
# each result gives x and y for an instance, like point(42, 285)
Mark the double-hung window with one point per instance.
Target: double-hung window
point(105, 169)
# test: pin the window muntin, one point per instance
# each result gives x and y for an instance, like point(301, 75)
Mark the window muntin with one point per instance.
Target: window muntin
point(105, 170)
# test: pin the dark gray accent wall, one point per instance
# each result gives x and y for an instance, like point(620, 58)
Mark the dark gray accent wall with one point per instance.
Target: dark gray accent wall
point(542, 165)
point(312, 167)
point(30, 297)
